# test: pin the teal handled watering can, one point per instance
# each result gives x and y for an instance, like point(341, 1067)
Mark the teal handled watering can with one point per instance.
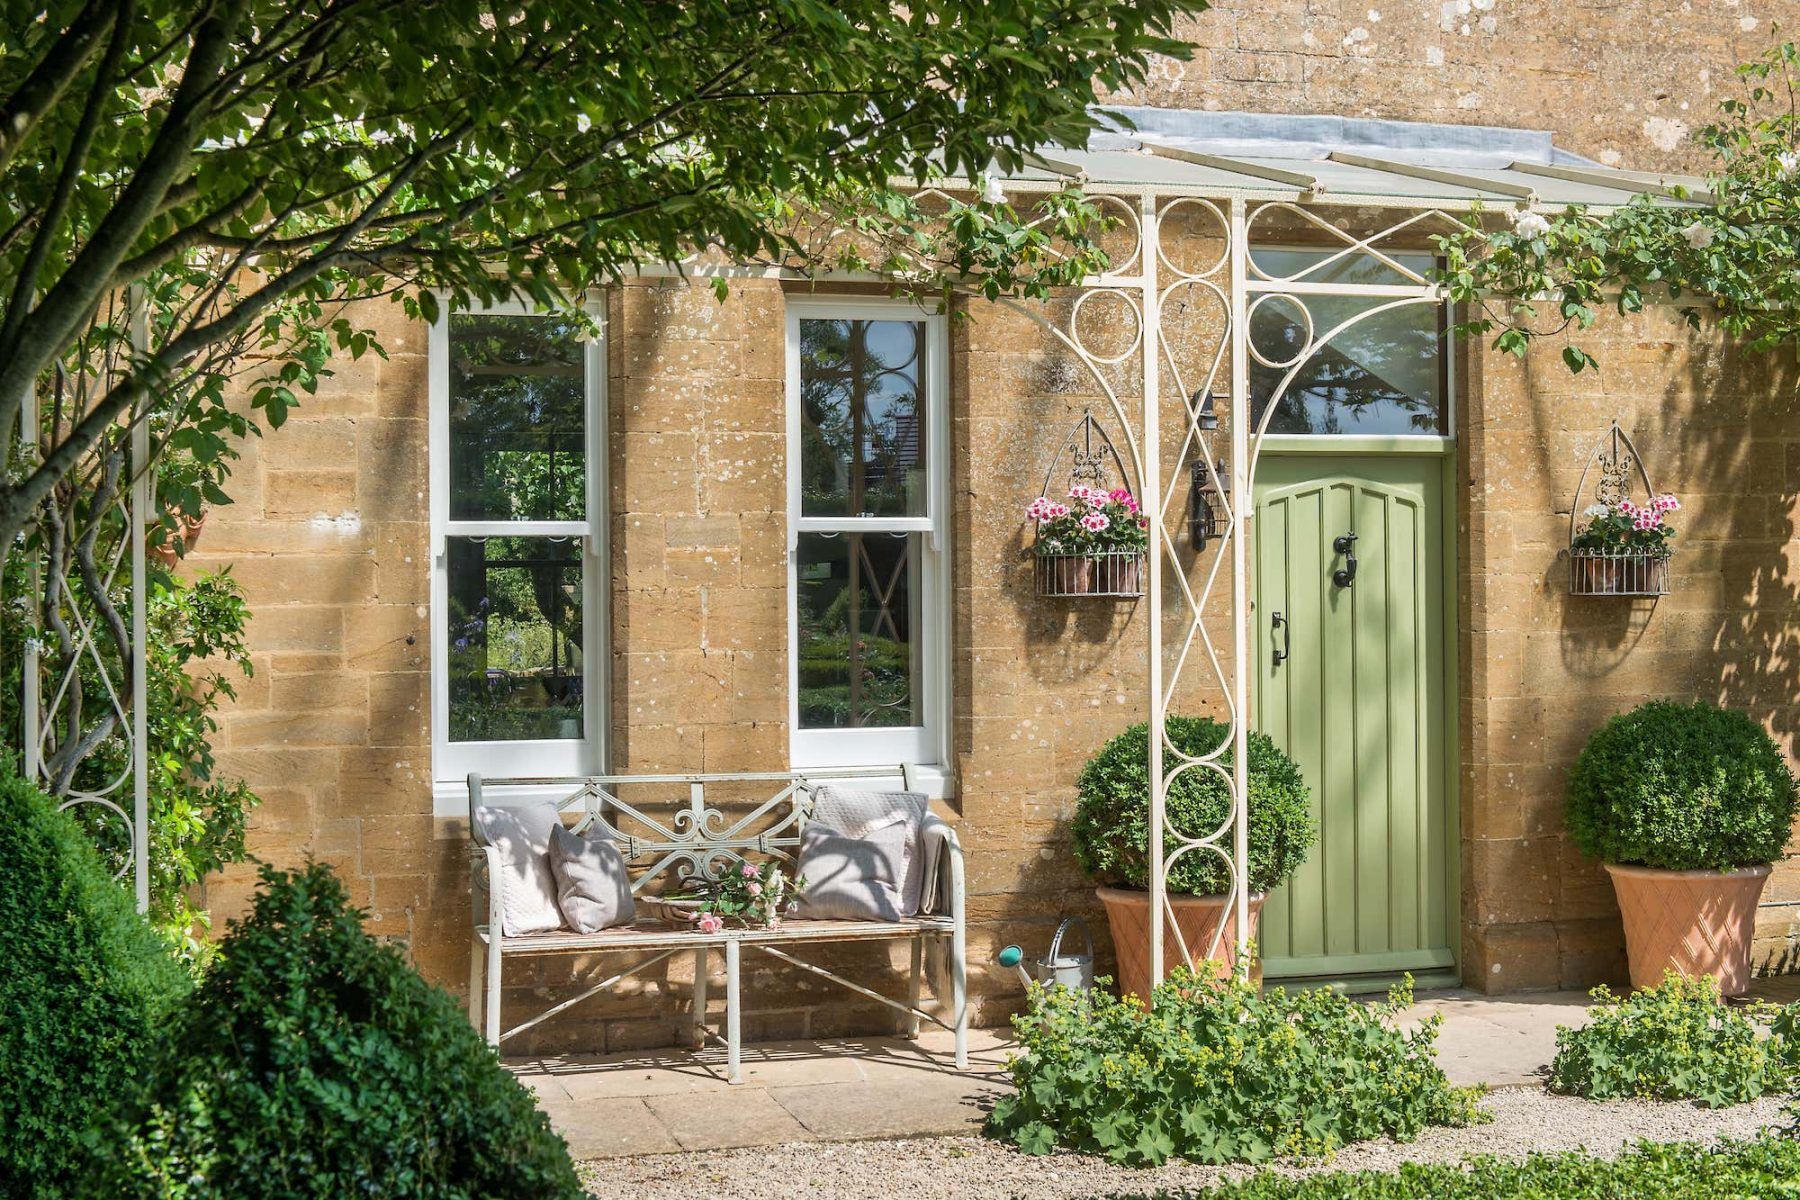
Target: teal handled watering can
point(1070, 969)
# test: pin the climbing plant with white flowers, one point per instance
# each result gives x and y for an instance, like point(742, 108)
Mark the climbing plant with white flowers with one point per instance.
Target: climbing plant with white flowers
point(1732, 257)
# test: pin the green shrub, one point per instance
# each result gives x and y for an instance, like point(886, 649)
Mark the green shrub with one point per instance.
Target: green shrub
point(1216, 1072)
point(85, 988)
point(1681, 787)
point(1675, 1041)
point(1112, 815)
point(315, 1063)
point(1749, 1170)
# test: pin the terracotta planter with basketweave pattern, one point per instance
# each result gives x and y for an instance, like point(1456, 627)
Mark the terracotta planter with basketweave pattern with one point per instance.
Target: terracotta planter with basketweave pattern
point(1198, 917)
point(1694, 922)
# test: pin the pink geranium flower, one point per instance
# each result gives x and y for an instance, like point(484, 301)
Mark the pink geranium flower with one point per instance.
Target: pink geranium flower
point(1094, 522)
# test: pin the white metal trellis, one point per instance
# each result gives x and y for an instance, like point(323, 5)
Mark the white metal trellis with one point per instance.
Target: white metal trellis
point(42, 707)
point(1147, 280)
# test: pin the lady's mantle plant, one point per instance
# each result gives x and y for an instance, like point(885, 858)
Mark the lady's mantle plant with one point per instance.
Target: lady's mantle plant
point(1093, 521)
point(1216, 1072)
point(1676, 1041)
point(1622, 527)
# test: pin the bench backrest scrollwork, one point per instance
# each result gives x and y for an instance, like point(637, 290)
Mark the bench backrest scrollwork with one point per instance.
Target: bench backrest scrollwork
point(672, 840)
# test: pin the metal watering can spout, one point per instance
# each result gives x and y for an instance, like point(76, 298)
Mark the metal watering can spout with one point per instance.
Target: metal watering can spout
point(1012, 956)
point(1070, 969)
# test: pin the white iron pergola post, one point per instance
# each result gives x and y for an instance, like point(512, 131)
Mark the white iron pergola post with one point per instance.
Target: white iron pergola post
point(1150, 488)
point(41, 708)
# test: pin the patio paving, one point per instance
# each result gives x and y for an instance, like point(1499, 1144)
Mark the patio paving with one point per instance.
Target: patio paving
point(850, 1089)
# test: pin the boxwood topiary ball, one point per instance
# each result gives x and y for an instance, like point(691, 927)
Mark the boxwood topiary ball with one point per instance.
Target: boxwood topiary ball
point(1683, 788)
point(1112, 815)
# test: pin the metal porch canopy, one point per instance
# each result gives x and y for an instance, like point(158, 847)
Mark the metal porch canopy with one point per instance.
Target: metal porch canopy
point(1335, 177)
point(1342, 161)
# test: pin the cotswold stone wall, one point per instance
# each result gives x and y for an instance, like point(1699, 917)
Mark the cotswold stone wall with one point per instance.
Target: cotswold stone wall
point(1541, 669)
point(1621, 81)
point(328, 537)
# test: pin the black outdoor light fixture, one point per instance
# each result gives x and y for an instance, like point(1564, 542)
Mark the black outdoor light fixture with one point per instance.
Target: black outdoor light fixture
point(1206, 504)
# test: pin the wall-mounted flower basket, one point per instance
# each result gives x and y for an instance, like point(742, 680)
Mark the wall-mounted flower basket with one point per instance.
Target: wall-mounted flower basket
point(1617, 573)
point(1106, 573)
point(1093, 542)
point(1617, 546)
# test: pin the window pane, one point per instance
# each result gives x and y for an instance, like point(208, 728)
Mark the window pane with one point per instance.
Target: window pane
point(857, 608)
point(1354, 267)
point(515, 661)
point(862, 418)
point(1383, 375)
point(517, 445)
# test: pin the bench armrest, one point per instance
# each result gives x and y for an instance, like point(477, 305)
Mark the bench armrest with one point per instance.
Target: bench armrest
point(942, 859)
point(485, 882)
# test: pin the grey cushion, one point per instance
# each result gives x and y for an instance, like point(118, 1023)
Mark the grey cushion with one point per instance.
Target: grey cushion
point(860, 856)
point(527, 887)
point(593, 887)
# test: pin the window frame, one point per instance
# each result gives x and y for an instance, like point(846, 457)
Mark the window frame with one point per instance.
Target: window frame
point(1427, 442)
point(550, 758)
point(926, 745)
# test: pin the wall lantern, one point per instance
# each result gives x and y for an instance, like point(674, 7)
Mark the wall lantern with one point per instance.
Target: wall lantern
point(1206, 504)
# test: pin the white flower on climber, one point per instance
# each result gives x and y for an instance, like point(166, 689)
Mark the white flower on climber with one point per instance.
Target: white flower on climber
point(1528, 224)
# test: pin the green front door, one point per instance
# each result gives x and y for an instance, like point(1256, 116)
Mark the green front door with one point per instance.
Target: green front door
point(1351, 683)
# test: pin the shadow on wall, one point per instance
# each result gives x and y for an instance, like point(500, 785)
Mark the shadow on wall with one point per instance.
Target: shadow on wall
point(1723, 434)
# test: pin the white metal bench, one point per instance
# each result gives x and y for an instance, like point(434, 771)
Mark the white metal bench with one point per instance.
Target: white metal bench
point(666, 843)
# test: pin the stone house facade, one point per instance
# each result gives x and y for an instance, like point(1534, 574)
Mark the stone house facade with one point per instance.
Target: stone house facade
point(331, 536)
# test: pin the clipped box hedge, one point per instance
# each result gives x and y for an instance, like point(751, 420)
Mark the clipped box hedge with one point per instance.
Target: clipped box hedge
point(86, 990)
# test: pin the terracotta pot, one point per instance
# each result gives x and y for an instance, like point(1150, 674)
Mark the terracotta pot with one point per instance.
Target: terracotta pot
point(1198, 917)
point(187, 535)
point(1694, 922)
point(1129, 575)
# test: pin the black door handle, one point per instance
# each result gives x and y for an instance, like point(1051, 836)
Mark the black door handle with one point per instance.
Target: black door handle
point(1345, 544)
point(1279, 624)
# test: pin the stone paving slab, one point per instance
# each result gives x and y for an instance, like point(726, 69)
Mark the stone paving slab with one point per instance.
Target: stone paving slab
point(857, 1088)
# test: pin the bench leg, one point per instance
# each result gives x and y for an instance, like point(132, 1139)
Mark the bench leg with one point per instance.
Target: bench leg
point(477, 973)
point(491, 1009)
point(959, 992)
point(733, 1024)
point(700, 982)
point(909, 1027)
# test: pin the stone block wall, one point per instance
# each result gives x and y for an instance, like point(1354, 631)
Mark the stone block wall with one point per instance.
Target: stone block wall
point(1715, 424)
point(329, 538)
point(1621, 81)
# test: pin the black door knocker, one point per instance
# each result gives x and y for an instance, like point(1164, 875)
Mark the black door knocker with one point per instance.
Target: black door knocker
point(1345, 544)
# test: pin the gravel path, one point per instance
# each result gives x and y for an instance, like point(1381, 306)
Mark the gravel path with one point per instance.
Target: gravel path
point(973, 1168)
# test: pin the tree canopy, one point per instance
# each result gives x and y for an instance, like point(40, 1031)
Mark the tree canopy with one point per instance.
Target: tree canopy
point(228, 172)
